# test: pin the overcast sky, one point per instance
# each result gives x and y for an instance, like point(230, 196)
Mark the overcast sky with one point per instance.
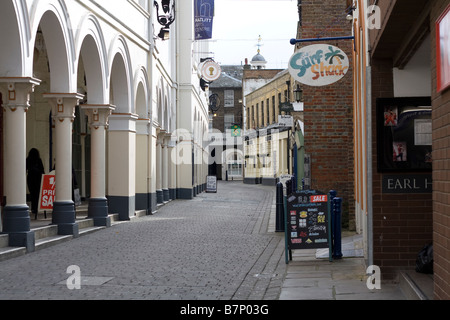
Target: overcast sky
point(239, 23)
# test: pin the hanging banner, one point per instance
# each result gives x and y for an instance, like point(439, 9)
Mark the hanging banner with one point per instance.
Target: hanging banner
point(203, 19)
point(319, 65)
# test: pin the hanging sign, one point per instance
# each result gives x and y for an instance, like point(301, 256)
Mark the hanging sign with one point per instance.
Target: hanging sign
point(210, 71)
point(235, 131)
point(319, 65)
point(203, 20)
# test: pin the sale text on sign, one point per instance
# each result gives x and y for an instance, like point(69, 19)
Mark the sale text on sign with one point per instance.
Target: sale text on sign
point(47, 194)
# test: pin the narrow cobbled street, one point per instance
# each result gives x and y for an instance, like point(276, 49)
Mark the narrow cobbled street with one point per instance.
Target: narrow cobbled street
point(219, 246)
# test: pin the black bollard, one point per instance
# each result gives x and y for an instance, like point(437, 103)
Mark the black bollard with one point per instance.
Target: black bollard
point(279, 227)
point(293, 184)
point(288, 187)
point(337, 232)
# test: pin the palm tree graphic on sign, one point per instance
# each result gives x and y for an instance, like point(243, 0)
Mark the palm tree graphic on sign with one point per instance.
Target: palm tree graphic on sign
point(334, 54)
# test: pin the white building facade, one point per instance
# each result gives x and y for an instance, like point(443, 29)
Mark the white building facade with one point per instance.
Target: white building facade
point(109, 105)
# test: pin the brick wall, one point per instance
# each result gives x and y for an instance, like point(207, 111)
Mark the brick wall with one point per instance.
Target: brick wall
point(218, 120)
point(441, 171)
point(329, 110)
point(402, 223)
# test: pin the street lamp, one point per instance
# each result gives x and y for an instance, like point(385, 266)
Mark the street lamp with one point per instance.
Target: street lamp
point(298, 94)
point(166, 18)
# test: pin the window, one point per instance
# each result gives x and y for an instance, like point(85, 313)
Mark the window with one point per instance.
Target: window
point(229, 98)
point(268, 111)
point(257, 116)
point(262, 114)
point(275, 110)
point(404, 134)
point(228, 121)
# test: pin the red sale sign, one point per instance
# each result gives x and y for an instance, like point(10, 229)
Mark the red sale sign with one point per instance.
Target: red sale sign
point(47, 194)
point(319, 198)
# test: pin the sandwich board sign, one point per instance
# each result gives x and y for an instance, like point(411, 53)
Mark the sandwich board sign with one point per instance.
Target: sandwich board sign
point(307, 220)
point(47, 193)
point(211, 184)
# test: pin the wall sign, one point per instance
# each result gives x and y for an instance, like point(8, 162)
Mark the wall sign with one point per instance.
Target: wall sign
point(319, 65)
point(407, 183)
point(443, 50)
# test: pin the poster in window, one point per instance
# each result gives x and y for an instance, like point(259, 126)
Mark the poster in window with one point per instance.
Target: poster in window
point(404, 134)
point(390, 116)
point(443, 50)
point(399, 151)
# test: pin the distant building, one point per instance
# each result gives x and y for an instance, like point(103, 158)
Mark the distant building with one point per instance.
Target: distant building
point(226, 125)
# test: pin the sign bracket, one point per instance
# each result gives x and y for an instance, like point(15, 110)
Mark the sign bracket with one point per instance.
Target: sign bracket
point(295, 41)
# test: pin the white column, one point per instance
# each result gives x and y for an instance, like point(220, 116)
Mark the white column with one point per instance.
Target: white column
point(142, 165)
point(159, 191)
point(122, 165)
point(63, 111)
point(16, 217)
point(98, 122)
point(165, 168)
point(172, 170)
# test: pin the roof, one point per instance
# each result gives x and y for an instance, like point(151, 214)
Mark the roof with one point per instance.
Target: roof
point(231, 77)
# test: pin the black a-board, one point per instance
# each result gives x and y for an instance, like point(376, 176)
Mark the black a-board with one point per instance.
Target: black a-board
point(307, 221)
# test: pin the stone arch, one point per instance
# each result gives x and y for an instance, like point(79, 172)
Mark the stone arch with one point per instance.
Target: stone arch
point(142, 93)
point(54, 21)
point(90, 43)
point(15, 33)
point(121, 94)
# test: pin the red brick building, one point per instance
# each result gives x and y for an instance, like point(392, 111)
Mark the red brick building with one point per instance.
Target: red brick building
point(328, 110)
point(402, 102)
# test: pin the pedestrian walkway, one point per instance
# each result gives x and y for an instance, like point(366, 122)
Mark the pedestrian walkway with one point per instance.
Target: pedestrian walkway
point(218, 246)
point(311, 276)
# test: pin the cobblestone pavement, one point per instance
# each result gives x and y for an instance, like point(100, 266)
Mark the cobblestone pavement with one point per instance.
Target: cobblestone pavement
point(218, 246)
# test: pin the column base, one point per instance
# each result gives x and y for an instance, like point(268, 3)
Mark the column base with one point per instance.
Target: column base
point(166, 195)
point(159, 196)
point(124, 206)
point(64, 216)
point(16, 219)
point(98, 211)
point(185, 193)
point(173, 194)
point(153, 202)
point(16, 223)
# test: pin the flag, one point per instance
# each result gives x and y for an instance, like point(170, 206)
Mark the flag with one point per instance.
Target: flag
point(203, 20)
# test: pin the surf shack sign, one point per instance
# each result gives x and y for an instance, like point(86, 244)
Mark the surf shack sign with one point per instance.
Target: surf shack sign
point(319, 65)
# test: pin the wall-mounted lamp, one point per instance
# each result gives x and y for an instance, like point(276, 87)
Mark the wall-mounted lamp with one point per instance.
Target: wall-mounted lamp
point(350, 12)
point(298, 94)
point(166, 18)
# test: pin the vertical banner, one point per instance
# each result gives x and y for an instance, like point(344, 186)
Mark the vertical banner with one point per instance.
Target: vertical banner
point(203, 20)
